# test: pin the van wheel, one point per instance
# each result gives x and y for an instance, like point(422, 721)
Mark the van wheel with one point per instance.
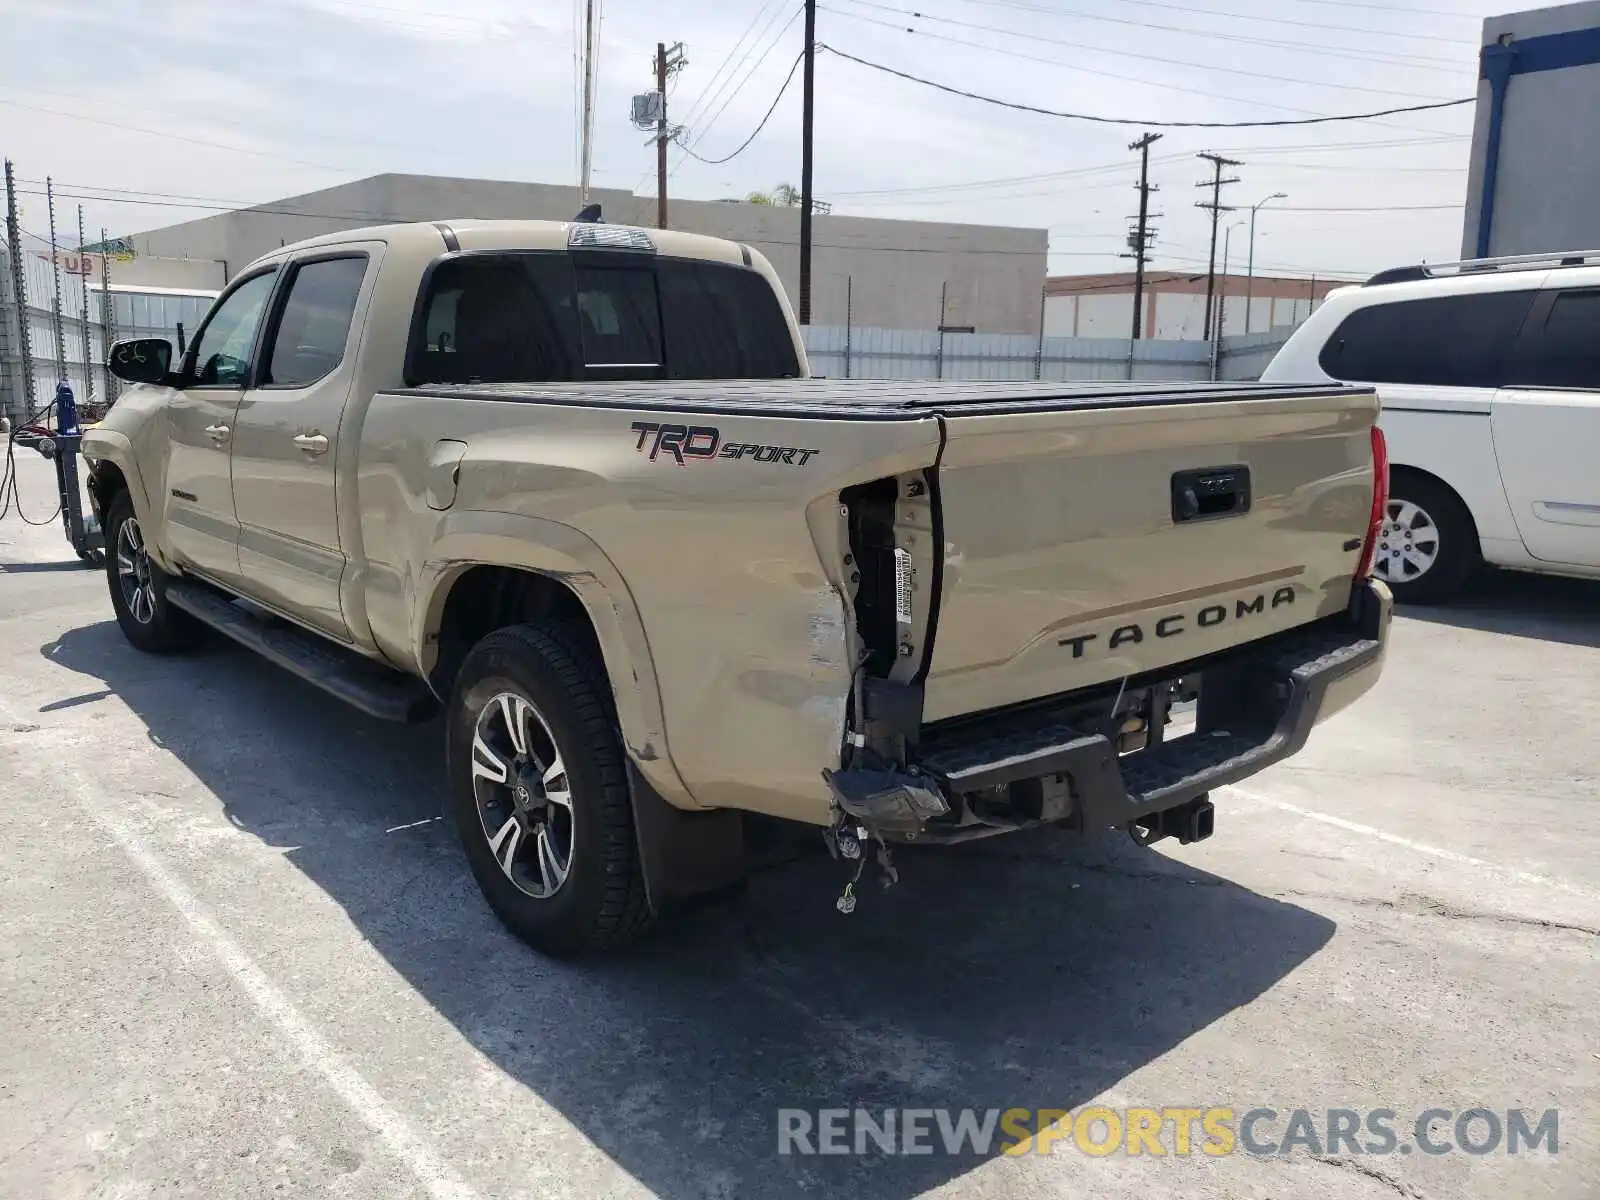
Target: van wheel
point(539, 791)
point(139, 587)
point(1427, 545)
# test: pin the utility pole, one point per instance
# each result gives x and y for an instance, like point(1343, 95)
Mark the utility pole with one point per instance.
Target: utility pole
point(19, 291)
point(808, 110)
point(586, 126)
point(88, 374)
point(1139, 239)
point(668, 62)
point(1217, 209)
point(108, 333)
point(55, 267)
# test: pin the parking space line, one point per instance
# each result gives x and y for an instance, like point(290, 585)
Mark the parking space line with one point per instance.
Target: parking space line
point(439, 1179)
point(1394, 839)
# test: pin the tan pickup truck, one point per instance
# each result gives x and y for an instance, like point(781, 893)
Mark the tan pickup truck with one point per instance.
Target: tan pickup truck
point(571, 483)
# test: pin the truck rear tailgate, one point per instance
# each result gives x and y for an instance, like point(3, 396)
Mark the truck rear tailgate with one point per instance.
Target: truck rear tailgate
point(1087, 544)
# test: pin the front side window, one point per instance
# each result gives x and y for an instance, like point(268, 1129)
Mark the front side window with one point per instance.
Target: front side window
point(222, 348)
point(1453, 341)
point(315, 324)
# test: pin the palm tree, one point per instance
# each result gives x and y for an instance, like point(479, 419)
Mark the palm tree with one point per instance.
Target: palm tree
point(787, 195)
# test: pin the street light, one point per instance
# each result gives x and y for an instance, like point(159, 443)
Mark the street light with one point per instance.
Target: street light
point(1222, 301)
point(1250, 271)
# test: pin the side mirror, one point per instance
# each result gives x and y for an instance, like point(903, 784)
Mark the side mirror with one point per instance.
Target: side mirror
point(142, 360)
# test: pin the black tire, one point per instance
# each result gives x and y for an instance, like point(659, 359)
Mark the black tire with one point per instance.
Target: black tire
point(157, 627)
point(1448, 526)
point(600, 902)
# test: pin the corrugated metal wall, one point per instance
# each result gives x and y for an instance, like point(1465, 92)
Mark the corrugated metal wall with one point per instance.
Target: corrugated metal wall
point(133, 315)
point(867, 353)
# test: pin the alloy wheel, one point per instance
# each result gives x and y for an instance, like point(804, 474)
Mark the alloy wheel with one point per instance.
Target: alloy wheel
point(133, 573)
point(523, 795)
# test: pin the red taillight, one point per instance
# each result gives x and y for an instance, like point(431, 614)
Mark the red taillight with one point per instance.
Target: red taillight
point(1380, 501)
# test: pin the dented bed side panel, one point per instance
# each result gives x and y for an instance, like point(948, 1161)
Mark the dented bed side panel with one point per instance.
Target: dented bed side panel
point(733, 553)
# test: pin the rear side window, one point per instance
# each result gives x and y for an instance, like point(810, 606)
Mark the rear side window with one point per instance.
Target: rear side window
point(1565, 353)
point(315, 322)
point(1454, 341)
point(501, 319)
point(547, 318)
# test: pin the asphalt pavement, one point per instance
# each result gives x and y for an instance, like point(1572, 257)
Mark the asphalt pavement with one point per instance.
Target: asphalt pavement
point(240, 956)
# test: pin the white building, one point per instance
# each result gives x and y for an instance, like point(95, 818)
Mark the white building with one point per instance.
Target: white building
point(1534, 180)
point(878, 272)
point(1174, 305)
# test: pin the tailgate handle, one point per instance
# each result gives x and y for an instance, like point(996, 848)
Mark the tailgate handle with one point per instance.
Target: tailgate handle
point(1210, 492)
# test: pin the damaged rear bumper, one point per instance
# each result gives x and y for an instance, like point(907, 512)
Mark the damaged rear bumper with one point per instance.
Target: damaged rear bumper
point(1059, 761)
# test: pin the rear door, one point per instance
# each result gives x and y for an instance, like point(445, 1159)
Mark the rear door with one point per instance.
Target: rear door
point(1087, 544)
point(286, 438)
point(201, 526)
point(1547, 429)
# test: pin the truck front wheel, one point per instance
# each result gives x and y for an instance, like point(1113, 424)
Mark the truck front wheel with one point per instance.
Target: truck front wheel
point(139, 586)
point(539, 791)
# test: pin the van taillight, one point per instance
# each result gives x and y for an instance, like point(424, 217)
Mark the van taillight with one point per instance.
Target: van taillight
point(1380, 501)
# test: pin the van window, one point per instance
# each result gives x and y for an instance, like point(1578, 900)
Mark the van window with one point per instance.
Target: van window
point(1455, 341)
point(1566, 352)
point(535, 317)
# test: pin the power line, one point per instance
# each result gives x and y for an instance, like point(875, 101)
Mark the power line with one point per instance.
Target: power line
point(701, 101)
point(174, 137)
point(1120, 52)
point(1386, 208)
point(1103, 120)
point(1010, 181)
point(772, 108)
point(1081, 69)
point(748, 75)
point(1252, 18)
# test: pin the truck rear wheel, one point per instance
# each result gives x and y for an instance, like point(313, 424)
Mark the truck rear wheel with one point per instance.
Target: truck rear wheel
point(539, 791)
point(139, 587)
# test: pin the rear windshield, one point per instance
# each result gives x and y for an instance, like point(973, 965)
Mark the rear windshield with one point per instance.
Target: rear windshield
point(554, 318)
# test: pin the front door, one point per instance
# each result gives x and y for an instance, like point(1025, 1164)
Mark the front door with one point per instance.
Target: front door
point(1547, 429)
point(286, 442)
point(201, 529)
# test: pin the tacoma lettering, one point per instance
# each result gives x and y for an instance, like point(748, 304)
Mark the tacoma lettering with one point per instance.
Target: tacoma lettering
point(1172, 625)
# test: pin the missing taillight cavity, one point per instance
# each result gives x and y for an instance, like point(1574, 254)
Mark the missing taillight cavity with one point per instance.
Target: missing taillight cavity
point(1380, 501)
point(877, 597)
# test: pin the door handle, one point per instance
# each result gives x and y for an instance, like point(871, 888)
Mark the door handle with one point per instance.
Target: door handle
point(312, 443)
point(218, 433)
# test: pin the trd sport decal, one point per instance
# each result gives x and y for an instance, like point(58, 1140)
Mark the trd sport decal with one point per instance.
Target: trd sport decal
point(686, 443)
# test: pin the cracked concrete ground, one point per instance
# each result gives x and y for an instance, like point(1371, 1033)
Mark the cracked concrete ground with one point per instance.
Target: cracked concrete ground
point(239, 958)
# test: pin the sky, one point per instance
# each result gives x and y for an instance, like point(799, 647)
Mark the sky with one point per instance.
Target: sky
point(150, 112)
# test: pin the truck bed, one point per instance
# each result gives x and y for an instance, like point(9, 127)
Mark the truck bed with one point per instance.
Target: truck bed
point(875, 399)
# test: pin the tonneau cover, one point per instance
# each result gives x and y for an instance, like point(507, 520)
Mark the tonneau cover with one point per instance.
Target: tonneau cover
point(871, 399)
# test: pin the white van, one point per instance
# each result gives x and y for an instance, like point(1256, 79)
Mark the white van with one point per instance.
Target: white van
point(1489, 374)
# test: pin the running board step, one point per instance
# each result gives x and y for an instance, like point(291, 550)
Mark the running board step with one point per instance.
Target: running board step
point(376, 690)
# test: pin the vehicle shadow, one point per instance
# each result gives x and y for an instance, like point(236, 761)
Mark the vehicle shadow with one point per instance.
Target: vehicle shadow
point(1546, 607)
point(1000, 974)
